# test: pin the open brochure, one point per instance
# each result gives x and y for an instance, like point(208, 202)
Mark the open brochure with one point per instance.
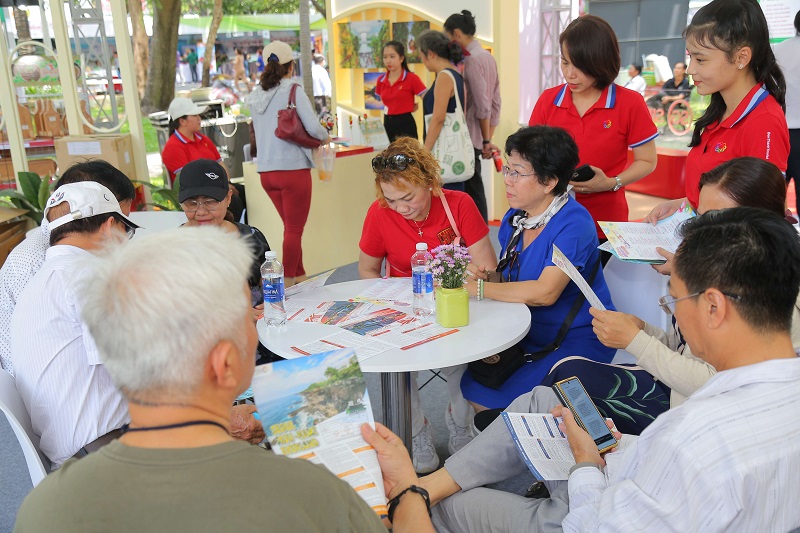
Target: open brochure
point(637, 241)
point(545, 449)
point(540, 443)
point(312, 408)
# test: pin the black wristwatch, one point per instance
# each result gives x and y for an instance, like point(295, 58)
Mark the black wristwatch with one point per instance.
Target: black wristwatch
point(487, 142)
point(394, 502)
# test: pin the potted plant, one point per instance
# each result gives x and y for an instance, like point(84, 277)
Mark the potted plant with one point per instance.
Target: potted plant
point(449, 267)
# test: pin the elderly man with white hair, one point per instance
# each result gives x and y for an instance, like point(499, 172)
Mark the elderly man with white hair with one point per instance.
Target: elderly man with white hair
point(170, 315)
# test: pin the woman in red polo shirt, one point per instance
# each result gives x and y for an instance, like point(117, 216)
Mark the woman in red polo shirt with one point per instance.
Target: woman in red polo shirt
point(731, 59)
point(186, 143)
point(397, 89)
point(603, 118)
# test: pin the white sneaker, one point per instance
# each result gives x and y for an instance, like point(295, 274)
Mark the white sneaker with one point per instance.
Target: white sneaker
point(459, 436)
point(425, 458)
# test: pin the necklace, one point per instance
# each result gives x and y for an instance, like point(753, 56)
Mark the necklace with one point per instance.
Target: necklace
point(127, 429)
point(419, 227)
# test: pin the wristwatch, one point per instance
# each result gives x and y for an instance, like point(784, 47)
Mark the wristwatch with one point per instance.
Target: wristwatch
point(618, 186)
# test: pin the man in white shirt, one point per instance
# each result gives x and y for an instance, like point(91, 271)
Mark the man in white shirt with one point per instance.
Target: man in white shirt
point(322, 84)
point(725, 460)
point(637, 82)
point(69, 395)
point(788, 55)
point(27, 257)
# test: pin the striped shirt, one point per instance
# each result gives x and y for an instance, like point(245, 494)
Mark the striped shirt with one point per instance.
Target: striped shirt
point(728, 459)
point(69, 395)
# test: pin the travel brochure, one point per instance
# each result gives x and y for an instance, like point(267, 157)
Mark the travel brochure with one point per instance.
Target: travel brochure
point(365, 323)
point(377, 332)
point(636, 242)
point(566, 266)
point(313, 408)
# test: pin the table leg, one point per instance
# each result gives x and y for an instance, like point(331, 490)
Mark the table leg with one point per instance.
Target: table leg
point(396, 392)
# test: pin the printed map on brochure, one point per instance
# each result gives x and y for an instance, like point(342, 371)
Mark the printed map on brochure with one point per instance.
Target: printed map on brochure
point(312, 408)
point(566, 266)
point(331, 313)
point(637, 241)
point(379, 331)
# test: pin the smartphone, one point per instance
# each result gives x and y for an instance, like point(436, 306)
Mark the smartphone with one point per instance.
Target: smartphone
point(573, 396)
point(583, 173)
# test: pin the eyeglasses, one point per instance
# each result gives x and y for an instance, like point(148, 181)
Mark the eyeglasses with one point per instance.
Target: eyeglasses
point(393, 162)
point(513, 174)
point(191, 206)
point(667, 303)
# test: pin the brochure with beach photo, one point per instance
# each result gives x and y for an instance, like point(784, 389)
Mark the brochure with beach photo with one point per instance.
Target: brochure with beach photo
point(637, 241)
point(312, 408)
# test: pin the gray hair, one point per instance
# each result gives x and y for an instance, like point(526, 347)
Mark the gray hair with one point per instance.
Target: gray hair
point(158, 305)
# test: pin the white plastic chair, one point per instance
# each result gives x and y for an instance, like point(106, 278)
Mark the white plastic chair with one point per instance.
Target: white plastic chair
point(12, 406)
point(246, 149)
point(635, 289)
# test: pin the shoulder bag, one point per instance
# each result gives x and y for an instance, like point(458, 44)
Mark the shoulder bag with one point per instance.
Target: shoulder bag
point(493, 371)
point(290, 127)
point(453, 148)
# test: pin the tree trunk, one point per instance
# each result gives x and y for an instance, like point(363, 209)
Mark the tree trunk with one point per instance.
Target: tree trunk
point(141, 45)
point(160, 87)
point(305, 48)
point(216, 20)
point(23, 31)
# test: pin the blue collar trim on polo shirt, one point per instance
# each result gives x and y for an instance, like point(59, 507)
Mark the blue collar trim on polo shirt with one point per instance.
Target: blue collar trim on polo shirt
point(759, 96)
point(560, 96)
point(611, 96)
point(183, 139)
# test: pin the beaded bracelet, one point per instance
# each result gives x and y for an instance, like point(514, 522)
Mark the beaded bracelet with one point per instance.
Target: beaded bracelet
point(393, 503)
point(480, 289)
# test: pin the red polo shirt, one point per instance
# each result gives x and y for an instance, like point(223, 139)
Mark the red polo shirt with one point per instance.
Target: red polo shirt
point(179, 150)
point(756, 128)
point(399, 97)
point(618, 120)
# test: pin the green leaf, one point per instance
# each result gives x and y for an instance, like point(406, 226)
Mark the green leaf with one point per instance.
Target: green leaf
point(618, 412)
point(633, 410)
point(614, 390)
point(649, 392)
point(634, 386)
point(29, 183)
point(13, 193)
point(44, 193)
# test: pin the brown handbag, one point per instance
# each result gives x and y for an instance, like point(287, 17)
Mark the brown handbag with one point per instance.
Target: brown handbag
point(290, 127)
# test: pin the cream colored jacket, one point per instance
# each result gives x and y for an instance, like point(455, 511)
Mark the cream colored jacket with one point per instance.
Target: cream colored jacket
point(681, 371)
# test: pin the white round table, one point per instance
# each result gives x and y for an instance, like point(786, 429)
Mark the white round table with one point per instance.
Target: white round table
point(493, 326)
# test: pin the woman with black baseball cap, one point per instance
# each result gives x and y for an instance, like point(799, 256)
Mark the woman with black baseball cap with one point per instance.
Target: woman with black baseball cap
point(205, 196)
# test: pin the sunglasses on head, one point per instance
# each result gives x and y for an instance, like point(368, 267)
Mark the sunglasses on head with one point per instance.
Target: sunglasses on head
point(393, 162)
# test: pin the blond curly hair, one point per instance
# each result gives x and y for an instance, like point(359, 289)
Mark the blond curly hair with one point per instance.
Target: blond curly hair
point(424, 172)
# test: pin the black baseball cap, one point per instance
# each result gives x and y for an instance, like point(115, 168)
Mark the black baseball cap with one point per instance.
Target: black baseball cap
point(203, 177)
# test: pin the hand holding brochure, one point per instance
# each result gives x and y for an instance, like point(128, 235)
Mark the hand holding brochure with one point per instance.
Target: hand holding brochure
point(562, 262)
point(312, 408)
point(637, 241)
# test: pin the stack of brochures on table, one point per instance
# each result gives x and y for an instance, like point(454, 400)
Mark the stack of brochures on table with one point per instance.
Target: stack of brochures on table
point(312, 408)
point(636, 242)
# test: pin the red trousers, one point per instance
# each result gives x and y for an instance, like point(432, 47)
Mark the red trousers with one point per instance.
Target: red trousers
point(290, 191)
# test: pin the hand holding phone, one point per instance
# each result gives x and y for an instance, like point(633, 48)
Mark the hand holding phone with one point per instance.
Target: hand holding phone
point(572, 395)
point(583, 173)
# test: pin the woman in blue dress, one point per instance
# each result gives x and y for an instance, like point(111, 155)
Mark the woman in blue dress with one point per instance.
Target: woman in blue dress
point(540, 163)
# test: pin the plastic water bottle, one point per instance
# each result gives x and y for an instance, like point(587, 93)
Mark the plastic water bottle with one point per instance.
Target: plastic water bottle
point(272, 282)
point(422, 278)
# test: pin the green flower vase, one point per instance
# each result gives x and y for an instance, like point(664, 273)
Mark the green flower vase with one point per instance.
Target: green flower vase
point(452, 307)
